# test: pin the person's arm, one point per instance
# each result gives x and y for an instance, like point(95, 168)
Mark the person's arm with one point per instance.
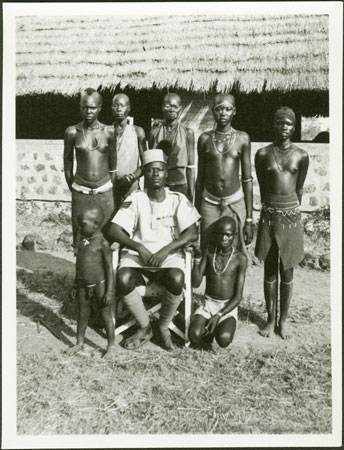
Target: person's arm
point(186, 237)
point(199, 266)
point(258, 162)
point(112, 159)
point(142, 144)
point(200, 173)
point(107, 263)
point(75, 286)
point(118, 234)
point(130, 178)
point(247, 186)
point(68, 154)
point(151, 139)
point(303, 169)
point(236, 299)
point(190, 168)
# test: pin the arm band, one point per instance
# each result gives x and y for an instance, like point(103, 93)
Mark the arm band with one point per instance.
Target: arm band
point(191, 166)
point(112, 171)
point(197, 261)
point(249, 180)
point(249, 219)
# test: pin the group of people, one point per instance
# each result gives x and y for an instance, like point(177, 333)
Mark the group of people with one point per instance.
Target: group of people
point(154, 223)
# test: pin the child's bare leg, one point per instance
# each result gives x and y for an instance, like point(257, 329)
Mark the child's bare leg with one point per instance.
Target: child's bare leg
point(224, 332)
point(270, 267)
point(197, 331)
point(83, 316)
point(106, 314)
point(286, 292)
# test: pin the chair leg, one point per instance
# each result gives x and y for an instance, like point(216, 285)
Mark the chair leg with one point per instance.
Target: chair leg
point(115, 259)
point(188, 296)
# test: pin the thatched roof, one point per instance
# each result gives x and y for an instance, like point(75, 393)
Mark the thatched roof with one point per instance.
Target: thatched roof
point(66, 54)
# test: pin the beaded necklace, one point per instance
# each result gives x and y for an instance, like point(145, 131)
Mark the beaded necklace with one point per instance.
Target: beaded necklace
point(96, 140)
point(170, 132)
point(282, 153)
point(86, 241)
point(229, 137)
point(227, 264)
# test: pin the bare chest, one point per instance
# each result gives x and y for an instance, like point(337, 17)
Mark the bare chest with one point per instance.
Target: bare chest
point(88, 250)
point(87, 141)
point(221, 151)
point(222, 265)
point(278, 162)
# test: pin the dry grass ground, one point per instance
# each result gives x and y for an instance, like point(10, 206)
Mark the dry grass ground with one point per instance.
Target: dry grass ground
point(258, 385)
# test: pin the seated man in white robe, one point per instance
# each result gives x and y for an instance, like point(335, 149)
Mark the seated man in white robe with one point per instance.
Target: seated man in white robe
point(153, 226)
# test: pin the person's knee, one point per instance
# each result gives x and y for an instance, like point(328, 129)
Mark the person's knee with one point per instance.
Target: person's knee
point(224, 338)
point(106, 313)
point(125, 280)
point(225, 332)
point(84, 308)
point(195, 334)
point(175, 281)
point(286, 275)
point(270, 271)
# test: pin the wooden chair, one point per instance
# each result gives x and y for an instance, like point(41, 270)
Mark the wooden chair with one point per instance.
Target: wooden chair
point(154, 290)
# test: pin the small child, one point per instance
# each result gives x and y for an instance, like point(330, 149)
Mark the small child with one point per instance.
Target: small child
point(94, 282)
point(225, 270)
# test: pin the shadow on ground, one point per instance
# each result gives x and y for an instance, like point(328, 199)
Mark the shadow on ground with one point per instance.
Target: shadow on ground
point(38, 261)
point(45, 283)
point(249, 315)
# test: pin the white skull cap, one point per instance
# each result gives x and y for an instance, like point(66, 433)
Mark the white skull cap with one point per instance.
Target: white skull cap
point(155, 155)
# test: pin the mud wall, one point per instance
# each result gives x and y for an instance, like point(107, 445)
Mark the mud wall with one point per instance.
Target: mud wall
point(40, 173)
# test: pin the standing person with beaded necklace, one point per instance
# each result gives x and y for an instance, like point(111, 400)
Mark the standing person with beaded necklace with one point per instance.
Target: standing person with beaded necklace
point(225, 270)
point(221, 153)
point(281, 171)
point(94, 180)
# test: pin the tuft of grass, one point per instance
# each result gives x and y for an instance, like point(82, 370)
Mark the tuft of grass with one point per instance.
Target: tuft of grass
point(186, 392)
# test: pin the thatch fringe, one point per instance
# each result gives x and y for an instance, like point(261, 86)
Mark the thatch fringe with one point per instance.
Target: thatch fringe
point(62, 55)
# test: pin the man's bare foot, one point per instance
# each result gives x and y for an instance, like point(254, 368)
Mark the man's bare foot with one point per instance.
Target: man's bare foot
point(111, 352)
point(166, 339)
point(75, 349)
point(283, 331)
point(141, 337)
point(268, 330)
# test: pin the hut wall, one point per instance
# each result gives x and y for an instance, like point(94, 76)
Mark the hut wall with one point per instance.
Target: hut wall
point(40, 173)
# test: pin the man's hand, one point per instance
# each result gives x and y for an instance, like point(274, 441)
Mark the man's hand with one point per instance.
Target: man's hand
point(212, 324)
point(248, 233)
point(145, 254)
point(159, 257)
point(125, 182)
point(107, 299)
point(197, 252)
point(73, 293)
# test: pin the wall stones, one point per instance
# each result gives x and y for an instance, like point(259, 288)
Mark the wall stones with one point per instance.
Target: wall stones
point(40, 173)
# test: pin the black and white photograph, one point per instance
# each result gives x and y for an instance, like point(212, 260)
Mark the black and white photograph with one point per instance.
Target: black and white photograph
point(172, 194)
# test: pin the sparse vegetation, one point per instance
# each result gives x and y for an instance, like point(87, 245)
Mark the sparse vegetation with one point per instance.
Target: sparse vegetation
point(258, 385)
point(186, 392)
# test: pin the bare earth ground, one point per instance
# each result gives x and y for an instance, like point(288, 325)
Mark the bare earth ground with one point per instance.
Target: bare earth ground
point(258, 385)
